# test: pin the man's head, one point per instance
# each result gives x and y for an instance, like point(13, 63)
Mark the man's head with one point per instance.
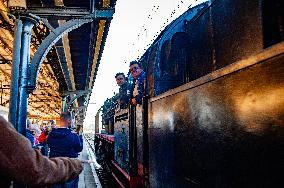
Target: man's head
point(52, 123)
point(120, 78)
point(65, 119)
point(135, 69)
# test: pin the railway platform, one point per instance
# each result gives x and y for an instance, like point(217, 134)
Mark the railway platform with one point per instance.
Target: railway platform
point(89, 178)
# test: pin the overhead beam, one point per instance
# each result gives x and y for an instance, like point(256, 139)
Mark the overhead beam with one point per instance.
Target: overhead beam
point(101, 37)
point(63, 13)
point(76, 92)
point(4, 61)
point(67, 54)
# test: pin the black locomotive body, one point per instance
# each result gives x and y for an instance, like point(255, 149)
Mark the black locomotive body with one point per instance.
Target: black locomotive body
point(213, 114)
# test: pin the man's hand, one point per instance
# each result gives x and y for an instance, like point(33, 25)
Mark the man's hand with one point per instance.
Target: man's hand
point(79, 130)
point(133, 102)
point(86, 161)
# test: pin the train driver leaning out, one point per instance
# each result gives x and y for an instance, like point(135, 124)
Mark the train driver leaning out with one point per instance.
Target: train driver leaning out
point(122, 97)
point(138, 86)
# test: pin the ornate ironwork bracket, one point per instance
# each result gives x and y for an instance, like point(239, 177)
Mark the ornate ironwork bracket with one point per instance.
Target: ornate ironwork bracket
point(77, 110)
point(54, 36)
point(46, 45)
point(77, 93)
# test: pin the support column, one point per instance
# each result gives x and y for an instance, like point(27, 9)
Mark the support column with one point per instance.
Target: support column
point(15, 73)
point(64, 104)
point(18, 107)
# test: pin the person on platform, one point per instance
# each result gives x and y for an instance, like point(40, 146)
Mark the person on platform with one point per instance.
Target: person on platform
point(43, 141)
point(23, 165)
point(30, 133)
point(137, 88)
point(122, 97)
point(52, 124)
point(65, 143)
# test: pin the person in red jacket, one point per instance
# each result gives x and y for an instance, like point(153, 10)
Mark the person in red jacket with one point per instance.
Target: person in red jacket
point(43, 141)
point(22, 164)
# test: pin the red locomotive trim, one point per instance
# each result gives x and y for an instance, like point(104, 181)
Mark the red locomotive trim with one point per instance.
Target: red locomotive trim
point(117, 180)
point(132, 181)
point(140, 169)
point(122, 171)
point(108, 138)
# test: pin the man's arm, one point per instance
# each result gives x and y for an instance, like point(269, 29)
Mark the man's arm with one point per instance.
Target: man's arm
point(78, 142)
point(27, 166)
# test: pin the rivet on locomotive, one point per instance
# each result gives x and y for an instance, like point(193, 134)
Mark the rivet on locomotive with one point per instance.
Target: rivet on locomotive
point(213, 110)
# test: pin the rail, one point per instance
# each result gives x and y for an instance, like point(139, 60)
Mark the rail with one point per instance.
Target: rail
point(104, 175)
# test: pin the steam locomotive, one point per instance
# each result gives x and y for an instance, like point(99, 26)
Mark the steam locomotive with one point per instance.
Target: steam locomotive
point(213, 113)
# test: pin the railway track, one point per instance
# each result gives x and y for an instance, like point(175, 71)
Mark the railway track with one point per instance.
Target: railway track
point(104, 172)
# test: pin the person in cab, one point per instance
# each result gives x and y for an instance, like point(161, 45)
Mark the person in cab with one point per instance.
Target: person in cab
point(122, 97)
point(137, 87)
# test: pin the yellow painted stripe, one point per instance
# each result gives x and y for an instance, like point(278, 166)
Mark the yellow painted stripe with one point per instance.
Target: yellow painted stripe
point(97, 50)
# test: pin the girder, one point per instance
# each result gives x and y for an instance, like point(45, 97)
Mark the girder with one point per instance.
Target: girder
point(57, 33)
point(64, 13)
point(46, 45)
point(73, 96)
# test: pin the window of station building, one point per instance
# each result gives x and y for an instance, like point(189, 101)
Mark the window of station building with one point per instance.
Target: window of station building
point(273, 21)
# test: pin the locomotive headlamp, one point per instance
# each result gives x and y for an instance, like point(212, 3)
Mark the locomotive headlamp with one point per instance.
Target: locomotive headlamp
point(17, 4)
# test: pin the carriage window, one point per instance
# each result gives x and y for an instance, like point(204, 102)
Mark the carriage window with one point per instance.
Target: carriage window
point(273, 21)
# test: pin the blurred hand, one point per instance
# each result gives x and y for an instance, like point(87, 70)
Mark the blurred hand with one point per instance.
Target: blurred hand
point(80, 131)
point(86, 161)
point(133, 102)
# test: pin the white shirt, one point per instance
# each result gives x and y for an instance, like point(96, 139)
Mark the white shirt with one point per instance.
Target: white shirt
point(135, 90)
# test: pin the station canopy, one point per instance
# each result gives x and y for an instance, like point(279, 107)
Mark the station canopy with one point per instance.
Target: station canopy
point(72, 62)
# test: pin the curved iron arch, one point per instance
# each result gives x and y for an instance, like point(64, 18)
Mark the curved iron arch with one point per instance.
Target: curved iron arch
point(46, 45)
point(76, 97)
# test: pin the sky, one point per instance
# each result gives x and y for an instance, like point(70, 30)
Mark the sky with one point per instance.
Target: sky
point(135, 24)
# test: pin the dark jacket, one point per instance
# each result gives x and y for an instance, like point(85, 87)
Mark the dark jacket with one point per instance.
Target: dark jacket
point(20, 163)
point(123, 98)
point(30, 136)
point(64, 143)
